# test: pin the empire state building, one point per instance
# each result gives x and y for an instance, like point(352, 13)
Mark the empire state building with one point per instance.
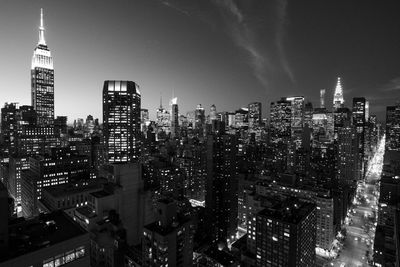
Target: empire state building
point(42, 80)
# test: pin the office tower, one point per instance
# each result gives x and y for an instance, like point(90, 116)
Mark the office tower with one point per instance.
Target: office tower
point(280, 133)
point(192, 164)
point(296, 128)
point(347, 156)
point(49, 170)
point(322, 98)
point(9, 130)
point(358, 114)
point(16, 166)
point(373, 132)
point(308, 114)
point(121, 121)
point(169, 240)
point(4, 218)
point(42, 80)
point(386, 241)
point(393, 127)
point(60, 125)
point(338, 100)
point(174, 117)
point(255, 114)
point(286, 234)
point(221, 187)
point(213, 113)
point(281, 120)
point(342, 117)
point(162, 119)
point(200, 118)
point(144, 119)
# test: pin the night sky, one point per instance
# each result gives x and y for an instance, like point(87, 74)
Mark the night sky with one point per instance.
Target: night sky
point(223, 52)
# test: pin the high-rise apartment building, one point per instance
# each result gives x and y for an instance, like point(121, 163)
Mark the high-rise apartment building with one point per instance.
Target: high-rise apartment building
point(286, 234)
point(121, 120)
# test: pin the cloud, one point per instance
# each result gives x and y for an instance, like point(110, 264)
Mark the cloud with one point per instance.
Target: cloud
point(280, 34)
point(180, 10)
point(255, 26)
point(392, 85)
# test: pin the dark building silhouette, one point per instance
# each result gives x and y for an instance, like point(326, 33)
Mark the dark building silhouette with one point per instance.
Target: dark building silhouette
point(169, 240)
point(286, 235)
point(221, 187)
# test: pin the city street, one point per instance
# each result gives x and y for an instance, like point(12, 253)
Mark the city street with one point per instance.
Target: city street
point(360, 222)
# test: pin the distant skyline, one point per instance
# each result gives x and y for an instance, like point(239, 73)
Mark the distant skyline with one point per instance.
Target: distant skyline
point(223, 52)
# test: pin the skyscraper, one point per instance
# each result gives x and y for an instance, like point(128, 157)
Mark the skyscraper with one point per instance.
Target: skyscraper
point(359, 104)
point(213, 113)
point(163, 119)
point(200, 118)
point(121, 118)
point(254, 114)
point(281, 120)
point(42, 80)
point(338, 99)
point(221, 186)
point(174, 117)
point(393, 127)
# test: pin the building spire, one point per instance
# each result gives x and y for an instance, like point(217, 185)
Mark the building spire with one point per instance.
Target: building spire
point(42, 41)
point(338, 99)
point(160, 101)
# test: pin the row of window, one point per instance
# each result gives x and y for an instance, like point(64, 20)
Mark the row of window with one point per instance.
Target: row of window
point(65, 258)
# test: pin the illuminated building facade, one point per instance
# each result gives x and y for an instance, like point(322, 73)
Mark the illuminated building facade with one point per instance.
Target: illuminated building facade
point(255, 113)
point(359, 122)
point(174, 117)
point(393, 127)
point(281, 121)
point(200, 118)
point(42, 77)
point(213, 113)
point(121, 120)
point(163, 119)
point(338, 100)
point(9, 131)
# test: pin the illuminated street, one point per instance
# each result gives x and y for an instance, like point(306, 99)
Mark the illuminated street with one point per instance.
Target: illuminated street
point(360, 223)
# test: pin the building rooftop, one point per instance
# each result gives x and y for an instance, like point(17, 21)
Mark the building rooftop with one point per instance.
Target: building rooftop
point(290, 211)
point(155, 227)
point(86, 211)
point(70, 189)
point(26, 236)
point(220, 256)
point(100, 194)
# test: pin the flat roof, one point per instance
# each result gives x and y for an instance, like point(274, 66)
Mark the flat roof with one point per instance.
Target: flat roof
point(100, 194)
point(70, 188)
point(26, 236)
point(290, 210)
